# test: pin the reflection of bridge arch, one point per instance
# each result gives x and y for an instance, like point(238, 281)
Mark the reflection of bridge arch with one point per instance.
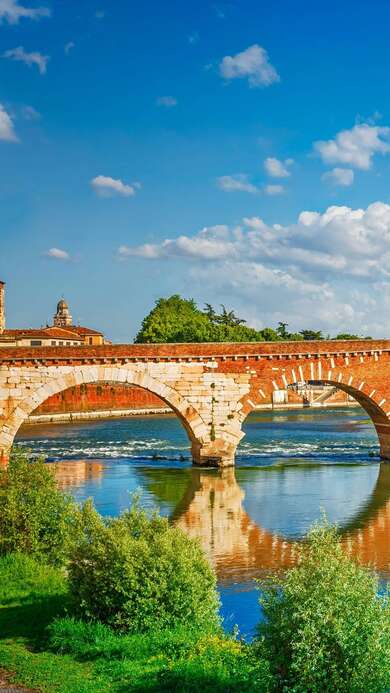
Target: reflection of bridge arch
point(212, 510)
point(210, 506)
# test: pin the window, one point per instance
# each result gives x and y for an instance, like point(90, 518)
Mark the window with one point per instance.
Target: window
point(75, 343)
point(61, 343)
point(36, 342)
point(67, 343)
point(90, 340)
point(53, 343)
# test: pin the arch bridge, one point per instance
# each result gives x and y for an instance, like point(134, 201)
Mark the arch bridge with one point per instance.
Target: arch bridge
point(211, 387)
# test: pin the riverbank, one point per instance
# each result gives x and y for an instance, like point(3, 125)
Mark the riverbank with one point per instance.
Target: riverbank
point(47, 652)
point(96, 415)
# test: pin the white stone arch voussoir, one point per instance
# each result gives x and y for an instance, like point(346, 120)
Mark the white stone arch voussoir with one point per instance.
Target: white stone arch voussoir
point(190, 418)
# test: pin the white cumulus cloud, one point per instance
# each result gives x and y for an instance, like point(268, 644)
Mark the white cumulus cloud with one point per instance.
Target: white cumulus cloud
point(12, 11)
point(58, 254)
point(237, 183)
point(252, 64)
point(105, 186)
point(276, 168)
point(7, 131)
point(356, 146)
point(33, 58)
point(339, 176)
point(328, 270)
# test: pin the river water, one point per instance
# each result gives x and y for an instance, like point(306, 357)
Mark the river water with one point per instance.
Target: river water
point(290, 466)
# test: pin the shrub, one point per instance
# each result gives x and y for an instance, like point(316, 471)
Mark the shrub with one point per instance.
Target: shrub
point(35, 517)
point(137, 572)
point(326, 627)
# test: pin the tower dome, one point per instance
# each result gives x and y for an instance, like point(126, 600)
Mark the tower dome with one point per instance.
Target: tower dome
point(62, 317)
point(62, 305)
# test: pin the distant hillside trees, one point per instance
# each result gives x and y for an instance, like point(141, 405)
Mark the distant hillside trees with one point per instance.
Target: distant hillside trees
point(177, 319)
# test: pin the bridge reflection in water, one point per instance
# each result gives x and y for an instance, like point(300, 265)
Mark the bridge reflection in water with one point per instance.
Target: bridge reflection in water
point(251, 520)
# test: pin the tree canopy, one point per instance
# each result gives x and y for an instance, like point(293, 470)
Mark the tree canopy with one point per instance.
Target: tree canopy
point(177, 319)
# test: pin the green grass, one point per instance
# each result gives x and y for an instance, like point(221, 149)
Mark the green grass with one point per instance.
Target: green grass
point(45, 648)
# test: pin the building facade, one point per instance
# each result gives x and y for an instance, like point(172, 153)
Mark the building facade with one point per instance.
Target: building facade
point(61, 333)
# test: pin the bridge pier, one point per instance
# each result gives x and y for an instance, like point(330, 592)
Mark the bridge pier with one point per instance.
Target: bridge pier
point(383, 432)
point(216, 453)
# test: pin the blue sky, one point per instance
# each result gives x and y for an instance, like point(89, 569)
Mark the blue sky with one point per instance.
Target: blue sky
point(154, 148)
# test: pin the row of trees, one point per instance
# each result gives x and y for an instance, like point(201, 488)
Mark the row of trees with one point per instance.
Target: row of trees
point(176, 319)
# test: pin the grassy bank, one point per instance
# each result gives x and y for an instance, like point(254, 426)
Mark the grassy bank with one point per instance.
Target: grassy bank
point(131, 604)
point(52, 652)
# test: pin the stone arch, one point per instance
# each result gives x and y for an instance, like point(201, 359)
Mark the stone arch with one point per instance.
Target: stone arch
point(372, 401)
point(193, 423)
point(343, 377)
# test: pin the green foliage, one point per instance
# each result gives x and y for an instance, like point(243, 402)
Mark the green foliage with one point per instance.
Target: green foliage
point(176, 319)
point(184, 659)
point(138, 572)
point(22, 577)
point(31, 596)
point(346, 335)
point(326, 628)
point(35, 517)
point(311, 335)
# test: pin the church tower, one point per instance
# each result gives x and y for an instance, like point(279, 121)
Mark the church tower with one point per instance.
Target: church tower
point(62, 317)
point(2, 307)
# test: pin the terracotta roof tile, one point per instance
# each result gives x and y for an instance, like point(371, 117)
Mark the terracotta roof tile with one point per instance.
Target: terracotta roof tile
point(43, 333)
point(85, 330)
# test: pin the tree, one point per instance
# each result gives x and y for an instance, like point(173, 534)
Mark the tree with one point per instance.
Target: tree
point(311, 335)
point(346, 335)
point(175, 319)
point(211, 313)
point(267, 334)
point(281, 330)
point(229, 318)
point(326, 628)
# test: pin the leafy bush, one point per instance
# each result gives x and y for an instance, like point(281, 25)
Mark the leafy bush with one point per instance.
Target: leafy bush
point(35, 517)
point(137, 572)
point(326, 628)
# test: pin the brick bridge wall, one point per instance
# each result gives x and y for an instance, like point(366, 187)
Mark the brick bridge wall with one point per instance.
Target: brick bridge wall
point(211, 387)
point(97, 397)
point(109, 397)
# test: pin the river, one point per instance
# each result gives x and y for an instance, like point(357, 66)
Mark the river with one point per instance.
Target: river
point(290, 466)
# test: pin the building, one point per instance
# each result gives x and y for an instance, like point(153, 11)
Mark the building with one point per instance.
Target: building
point(61, 333)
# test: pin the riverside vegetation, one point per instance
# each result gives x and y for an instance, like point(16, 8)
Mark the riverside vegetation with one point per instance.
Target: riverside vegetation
point(130, 604)
point(176, 319)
